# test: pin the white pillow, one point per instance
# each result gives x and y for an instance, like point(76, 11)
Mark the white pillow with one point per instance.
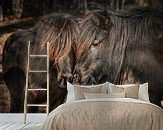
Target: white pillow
point(143, 90)
point(71, 92)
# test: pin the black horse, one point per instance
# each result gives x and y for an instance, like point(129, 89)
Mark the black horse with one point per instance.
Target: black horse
point(132, 52)
point(61, 31)
point(91, 47)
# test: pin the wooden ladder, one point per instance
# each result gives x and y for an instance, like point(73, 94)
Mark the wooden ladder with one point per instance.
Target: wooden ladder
point(36, 89)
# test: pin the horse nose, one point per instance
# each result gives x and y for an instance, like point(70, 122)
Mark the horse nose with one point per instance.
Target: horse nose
point(64, 78)
point(69, 77)
point(76, 78)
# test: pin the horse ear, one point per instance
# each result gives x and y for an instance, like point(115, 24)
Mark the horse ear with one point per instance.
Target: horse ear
point(45, 22)
point(96, 20)
point(102, 21)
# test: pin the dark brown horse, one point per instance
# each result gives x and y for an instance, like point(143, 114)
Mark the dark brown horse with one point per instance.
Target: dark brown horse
point(94, 35)
point(61, 31)
point(131, 53)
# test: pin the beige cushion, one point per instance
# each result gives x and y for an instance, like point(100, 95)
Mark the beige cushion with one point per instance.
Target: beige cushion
point(130, 91)
point(103, 95)
point(76, 92)
point(143, 91)
point(79, 91)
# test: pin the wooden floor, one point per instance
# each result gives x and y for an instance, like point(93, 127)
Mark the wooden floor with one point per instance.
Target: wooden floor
point(17, 126)
point(15, 121)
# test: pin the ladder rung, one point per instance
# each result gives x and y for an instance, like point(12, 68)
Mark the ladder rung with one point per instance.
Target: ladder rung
point(38, 55)
point(36, 105)
point(37, 89)
point(37, 71)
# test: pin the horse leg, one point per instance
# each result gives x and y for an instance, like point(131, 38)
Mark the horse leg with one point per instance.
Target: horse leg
point(15, 102)
point(58, 99)
point(15, 81)
point(32, 99)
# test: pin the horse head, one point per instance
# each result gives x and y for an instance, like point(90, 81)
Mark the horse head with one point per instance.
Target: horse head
point(92, 49)
point(61, 32)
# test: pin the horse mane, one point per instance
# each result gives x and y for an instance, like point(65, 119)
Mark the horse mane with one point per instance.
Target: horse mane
point(61, 31)
point(137, 28)
point(92, 26)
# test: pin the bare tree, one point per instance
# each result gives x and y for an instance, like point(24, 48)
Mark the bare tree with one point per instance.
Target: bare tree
point(1, 14)
point(17, 7)
point(153, 3)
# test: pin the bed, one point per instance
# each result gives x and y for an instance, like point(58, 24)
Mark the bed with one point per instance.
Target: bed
point(104, 113)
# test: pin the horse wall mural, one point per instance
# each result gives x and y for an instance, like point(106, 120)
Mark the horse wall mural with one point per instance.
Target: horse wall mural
point(119, 46)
